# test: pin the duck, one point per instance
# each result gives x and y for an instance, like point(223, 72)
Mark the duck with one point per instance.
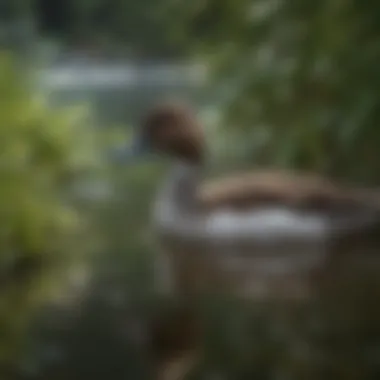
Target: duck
point(257, 234)
point(250, 231)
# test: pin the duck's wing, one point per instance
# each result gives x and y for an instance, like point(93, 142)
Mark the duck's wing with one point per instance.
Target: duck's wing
point(296, 190)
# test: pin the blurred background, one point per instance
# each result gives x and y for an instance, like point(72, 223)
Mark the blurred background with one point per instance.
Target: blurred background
point(286, 83)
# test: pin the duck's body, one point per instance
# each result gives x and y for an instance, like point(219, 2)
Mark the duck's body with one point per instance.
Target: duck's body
point(253, 228)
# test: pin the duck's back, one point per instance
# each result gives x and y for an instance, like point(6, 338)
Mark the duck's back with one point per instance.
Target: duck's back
point(297, 190)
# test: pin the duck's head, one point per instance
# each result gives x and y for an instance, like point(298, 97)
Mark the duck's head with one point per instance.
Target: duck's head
point(172, 129)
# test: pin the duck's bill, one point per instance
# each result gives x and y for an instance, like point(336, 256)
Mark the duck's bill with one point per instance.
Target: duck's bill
point(140, 146)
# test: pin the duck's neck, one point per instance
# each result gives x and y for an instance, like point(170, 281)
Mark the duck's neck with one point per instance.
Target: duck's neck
point(183, 183)
point(178, 197)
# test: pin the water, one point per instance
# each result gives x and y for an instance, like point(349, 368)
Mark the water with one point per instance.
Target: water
point(120, 91)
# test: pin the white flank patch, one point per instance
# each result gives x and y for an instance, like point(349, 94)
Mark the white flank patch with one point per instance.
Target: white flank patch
point(267, 225)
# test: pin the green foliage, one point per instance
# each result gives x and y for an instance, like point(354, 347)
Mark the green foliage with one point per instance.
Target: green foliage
point(300, 78)
point(41, 150)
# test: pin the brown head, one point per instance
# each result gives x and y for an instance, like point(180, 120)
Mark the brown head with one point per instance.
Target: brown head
point(173, 130)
